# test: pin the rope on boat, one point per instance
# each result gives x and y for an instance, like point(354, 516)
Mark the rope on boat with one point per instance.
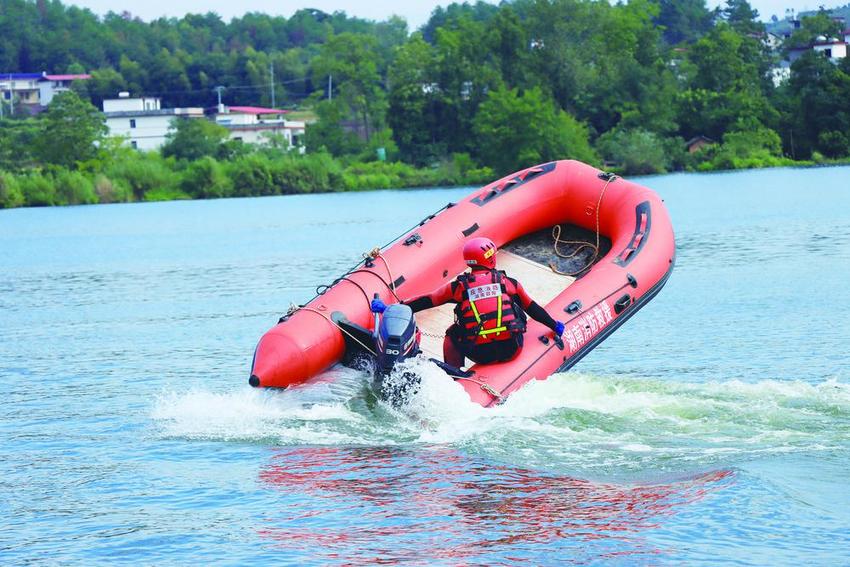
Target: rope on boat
point(581, 245)
point(295, 308)
point(374, 254)
point(484, 386)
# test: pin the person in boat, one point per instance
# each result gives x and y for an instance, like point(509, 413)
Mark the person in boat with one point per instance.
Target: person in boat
point(490, 312)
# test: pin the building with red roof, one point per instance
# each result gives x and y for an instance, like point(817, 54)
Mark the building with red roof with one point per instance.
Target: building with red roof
point(257, 124)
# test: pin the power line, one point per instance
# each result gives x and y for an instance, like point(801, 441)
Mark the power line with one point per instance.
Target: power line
point(229, 88)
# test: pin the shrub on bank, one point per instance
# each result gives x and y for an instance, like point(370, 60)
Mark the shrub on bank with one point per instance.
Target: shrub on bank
point(38, 190)
point(383, 175)
point(746, 149)
point(635, 152)
point(10, 191)
point(73, 188)
point(206, 179)
point(251, 176)
point(311, 173)
point(144, 172)
point(460, 169)
point(111, 191)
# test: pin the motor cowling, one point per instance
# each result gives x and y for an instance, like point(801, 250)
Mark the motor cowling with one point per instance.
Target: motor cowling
point(398, 337)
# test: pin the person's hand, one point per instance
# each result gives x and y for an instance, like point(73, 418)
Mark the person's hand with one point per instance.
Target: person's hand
point(559, 328)
point(378, 306)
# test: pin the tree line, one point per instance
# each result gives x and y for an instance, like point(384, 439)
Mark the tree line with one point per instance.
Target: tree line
point(492, 88)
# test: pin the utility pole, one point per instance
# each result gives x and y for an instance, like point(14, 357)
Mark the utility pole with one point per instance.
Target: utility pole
point(330, 87)
point(11, 97)
point(271, 75)
point(218, 90)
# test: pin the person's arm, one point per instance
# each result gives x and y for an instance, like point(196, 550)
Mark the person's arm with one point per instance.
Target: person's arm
point(439, 296)
point(532, 308)
point(539, 314)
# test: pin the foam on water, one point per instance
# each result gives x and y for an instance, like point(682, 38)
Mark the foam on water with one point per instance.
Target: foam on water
point(579, 421)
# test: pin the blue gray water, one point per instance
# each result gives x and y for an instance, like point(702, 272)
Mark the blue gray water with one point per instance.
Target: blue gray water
point(713, 426)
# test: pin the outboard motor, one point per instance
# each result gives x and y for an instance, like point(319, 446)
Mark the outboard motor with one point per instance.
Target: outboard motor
point(397, 340)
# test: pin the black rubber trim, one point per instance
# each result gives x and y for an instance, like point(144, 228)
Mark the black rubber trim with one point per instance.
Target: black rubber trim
point(595, 341)
point(631, 248)
point(511, 184)
point(470, 230)
point(400, 280)
point(622, 318)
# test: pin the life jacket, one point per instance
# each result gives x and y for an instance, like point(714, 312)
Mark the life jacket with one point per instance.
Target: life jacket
point(486, 312)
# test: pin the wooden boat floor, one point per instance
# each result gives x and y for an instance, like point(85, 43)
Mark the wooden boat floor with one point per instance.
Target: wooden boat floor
point(541, 283)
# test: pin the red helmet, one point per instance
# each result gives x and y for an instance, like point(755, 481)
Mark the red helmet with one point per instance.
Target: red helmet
point(480, 252)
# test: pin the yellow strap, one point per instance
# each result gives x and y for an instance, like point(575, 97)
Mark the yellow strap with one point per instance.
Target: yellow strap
point(491, 331)
point(499, 328)
point(475, 312)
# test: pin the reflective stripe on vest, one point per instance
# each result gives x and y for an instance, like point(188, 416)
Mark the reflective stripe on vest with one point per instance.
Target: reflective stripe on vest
point(472, 321)
point(499, 328)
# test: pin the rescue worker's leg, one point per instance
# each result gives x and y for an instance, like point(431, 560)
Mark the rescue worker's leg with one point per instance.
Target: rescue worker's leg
point(451, 353)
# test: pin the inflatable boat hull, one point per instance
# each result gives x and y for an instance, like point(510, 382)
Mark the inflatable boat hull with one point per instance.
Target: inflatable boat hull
point(638, 263)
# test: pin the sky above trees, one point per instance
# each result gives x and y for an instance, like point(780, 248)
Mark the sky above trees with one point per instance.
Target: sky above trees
point(416, 12)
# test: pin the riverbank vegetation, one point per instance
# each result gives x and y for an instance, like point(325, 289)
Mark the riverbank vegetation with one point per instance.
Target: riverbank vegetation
point(479, 91)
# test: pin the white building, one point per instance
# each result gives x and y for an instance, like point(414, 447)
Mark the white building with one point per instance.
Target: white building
point(51, 85)
point(255, 125)
point(35, 90)
point(832, 49)
point(142, 121)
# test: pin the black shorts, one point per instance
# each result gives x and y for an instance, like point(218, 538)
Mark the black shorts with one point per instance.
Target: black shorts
point(487, 353)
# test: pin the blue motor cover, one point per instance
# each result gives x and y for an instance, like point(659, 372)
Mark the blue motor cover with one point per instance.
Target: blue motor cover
point(398, 337)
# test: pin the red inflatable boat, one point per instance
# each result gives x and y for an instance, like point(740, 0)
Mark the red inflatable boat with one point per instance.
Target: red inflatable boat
point(619, 233)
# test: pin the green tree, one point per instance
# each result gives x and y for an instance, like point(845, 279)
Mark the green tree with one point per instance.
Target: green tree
point(465, 71)
point(71, 129)
point(727, 83)
point(447, 18)
point(742, 17)
point(814, 106)
point(413, 102)
point(104, 83)
point(18, 139)
point(684, 20)
point(352, 62)
point(328, 133)
point(516, 130)
point(193, 138)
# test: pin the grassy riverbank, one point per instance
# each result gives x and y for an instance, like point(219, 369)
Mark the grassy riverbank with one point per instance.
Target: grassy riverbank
point(135, 176)
point(130, 176)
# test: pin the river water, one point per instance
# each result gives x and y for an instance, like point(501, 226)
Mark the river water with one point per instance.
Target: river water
point(713, 427)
